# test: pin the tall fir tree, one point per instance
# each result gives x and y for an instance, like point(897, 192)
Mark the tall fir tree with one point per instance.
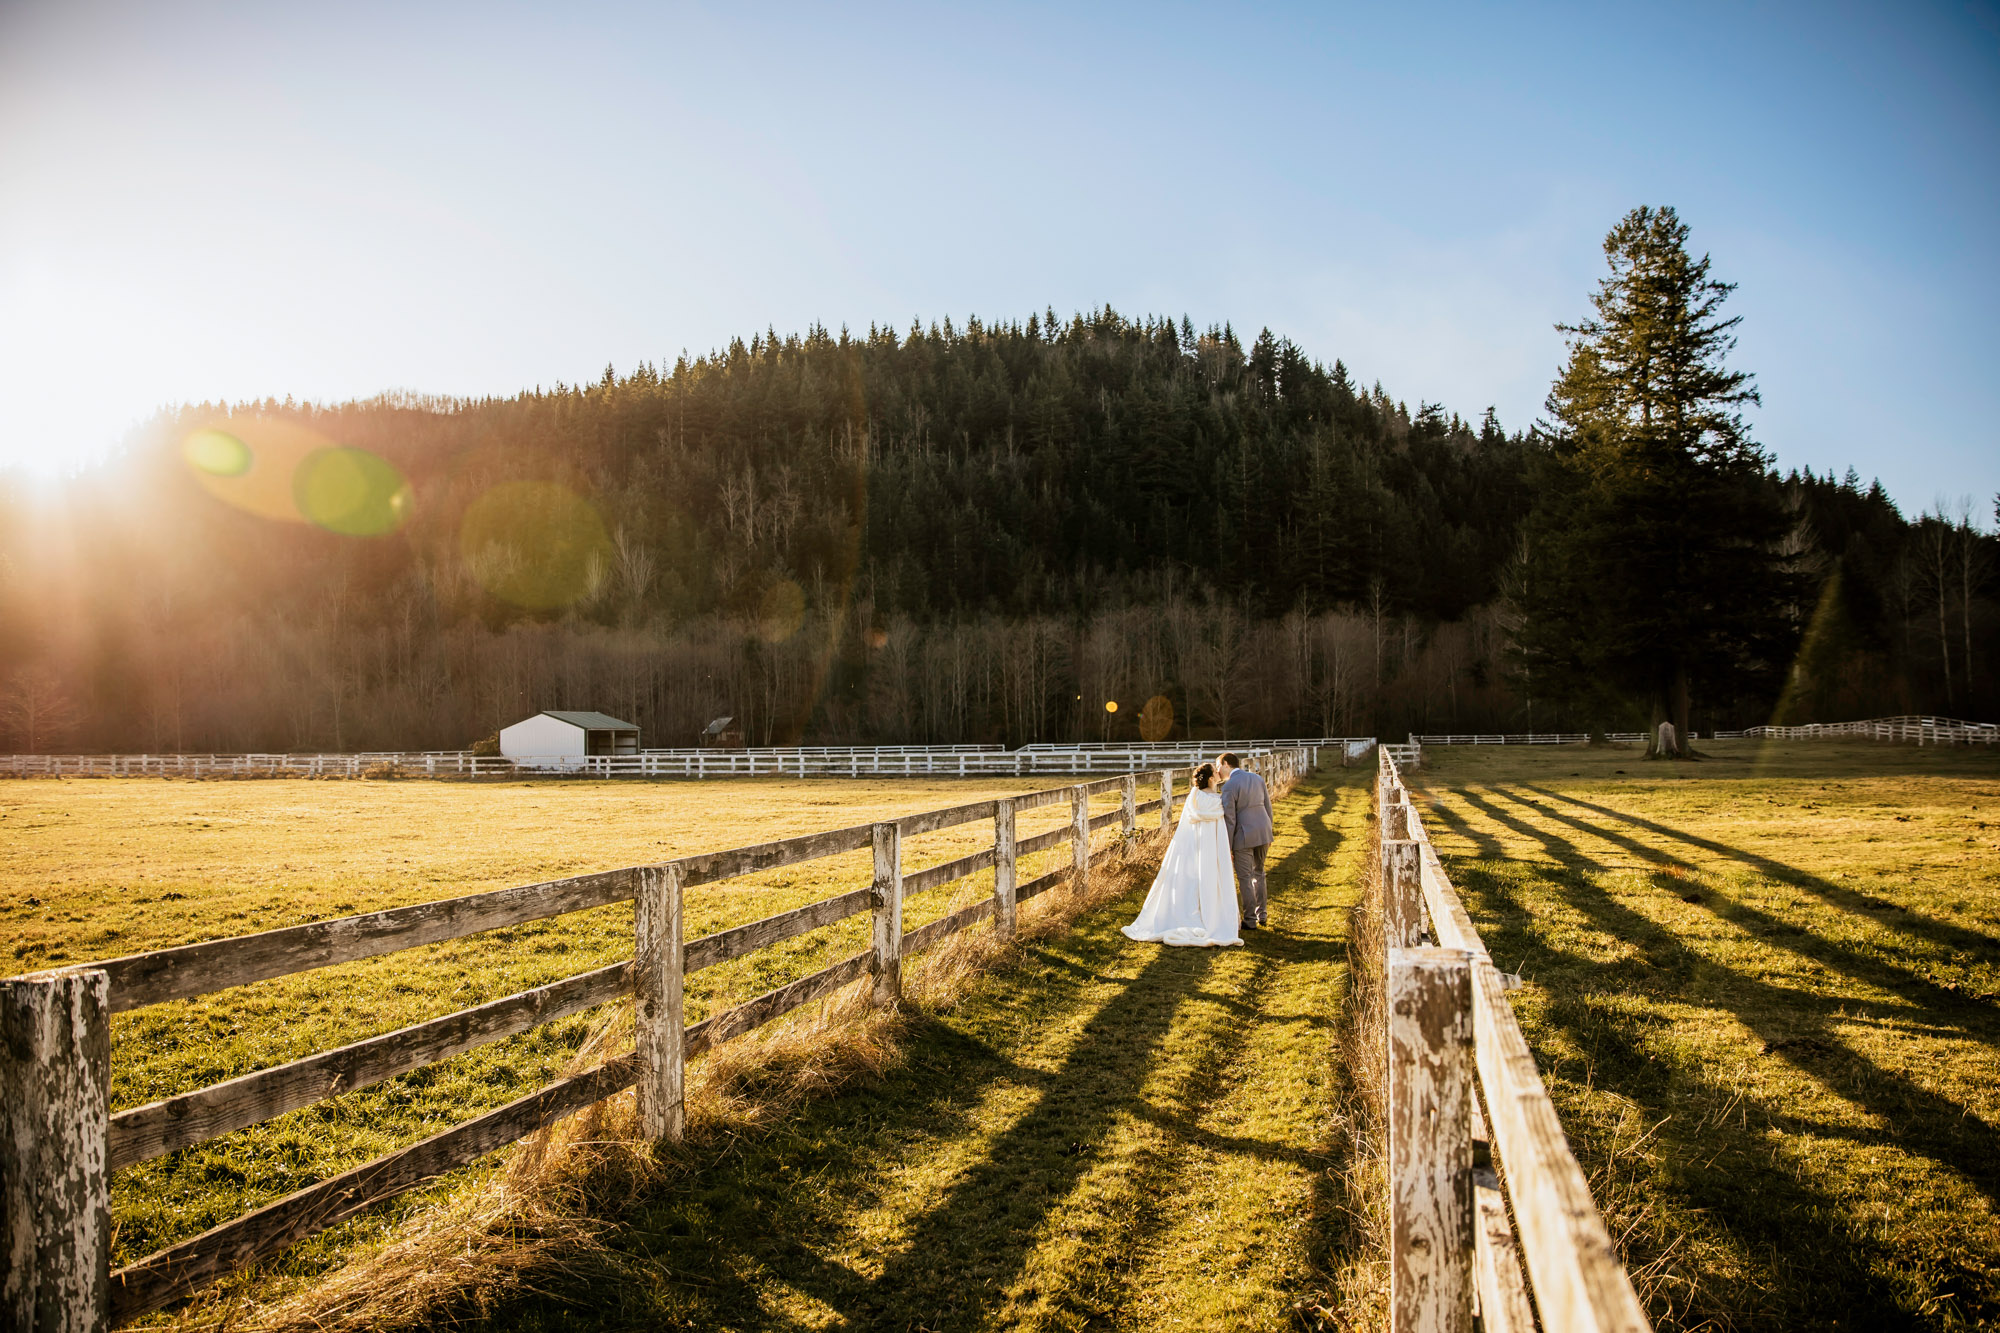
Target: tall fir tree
point(1652, 568)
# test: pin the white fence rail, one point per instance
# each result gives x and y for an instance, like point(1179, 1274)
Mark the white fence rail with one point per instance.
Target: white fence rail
point(1921, 730)
point(1484, 1191)
point(804, 762)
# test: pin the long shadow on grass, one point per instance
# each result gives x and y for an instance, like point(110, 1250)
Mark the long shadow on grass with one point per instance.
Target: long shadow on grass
point(1811, 1263)
point(989, 1220)
point(1916, 923)
point(1928, 1125)
point(1485, 844)
point(1916, 989)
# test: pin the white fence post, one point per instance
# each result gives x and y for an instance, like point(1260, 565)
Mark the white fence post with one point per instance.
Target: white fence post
point(1430, 1141)
point(662, 1034)
point(1166, 800)
point(1130, 804)
point(1402, 894)
point(55, 1182)
point(1079, 809)
point(1003, 868)
point(888, 913)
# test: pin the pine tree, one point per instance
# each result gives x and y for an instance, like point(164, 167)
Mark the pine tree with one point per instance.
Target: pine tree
point(1652, 571)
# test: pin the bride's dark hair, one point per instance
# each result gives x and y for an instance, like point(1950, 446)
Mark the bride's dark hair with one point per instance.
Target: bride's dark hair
point(1204, 775)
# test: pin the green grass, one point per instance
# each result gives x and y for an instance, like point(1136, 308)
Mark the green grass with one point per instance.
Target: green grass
point(1764, 991)
point(1099, 1133)
point(95, 869)
point(1103, 1135)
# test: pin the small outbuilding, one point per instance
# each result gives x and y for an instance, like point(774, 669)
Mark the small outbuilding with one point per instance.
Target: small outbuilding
point(552, 739)
point(724, 733)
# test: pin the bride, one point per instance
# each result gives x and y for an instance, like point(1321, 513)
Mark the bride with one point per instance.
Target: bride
point(1193, 899)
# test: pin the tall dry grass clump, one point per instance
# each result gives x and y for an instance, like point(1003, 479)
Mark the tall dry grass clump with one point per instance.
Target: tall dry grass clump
point(538, 1222)
point(1355, 1293)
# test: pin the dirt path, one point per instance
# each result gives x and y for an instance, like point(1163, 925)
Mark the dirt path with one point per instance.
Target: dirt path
point(1112, 1135)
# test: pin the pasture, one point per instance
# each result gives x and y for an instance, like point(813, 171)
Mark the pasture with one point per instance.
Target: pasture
point(95, 869)
point(1764, 991)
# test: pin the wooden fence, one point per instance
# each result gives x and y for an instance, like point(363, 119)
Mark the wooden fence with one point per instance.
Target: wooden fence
point(59, 1143)
point(818, 761)
point(1921, 730)
point(1472, 1132)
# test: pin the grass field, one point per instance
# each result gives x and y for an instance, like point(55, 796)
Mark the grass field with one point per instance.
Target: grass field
point(1765, 993)
point(95, 869)
point(1099, 1132)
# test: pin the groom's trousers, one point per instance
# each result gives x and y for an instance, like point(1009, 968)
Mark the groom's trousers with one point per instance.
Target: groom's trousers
point(1250, 895)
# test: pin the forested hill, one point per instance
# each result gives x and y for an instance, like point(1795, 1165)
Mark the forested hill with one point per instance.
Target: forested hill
point(1021, 468)
point(985, 532)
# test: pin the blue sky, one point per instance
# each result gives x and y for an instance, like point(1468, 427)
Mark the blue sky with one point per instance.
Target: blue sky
point(329, 201)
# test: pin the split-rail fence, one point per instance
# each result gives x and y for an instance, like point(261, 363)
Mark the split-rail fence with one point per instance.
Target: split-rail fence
point(1473, 1135)
point(59, 1143)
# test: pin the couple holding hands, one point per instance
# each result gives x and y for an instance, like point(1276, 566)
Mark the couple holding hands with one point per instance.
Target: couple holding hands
point(1211, 881)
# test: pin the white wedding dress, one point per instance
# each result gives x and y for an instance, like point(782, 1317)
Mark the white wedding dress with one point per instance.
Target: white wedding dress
point(1193, 898)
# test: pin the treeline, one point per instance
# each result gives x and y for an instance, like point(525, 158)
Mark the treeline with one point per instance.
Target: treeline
point(983, 533)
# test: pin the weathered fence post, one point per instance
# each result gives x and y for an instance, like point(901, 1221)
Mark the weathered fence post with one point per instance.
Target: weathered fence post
point(1396, 818)
point(1402, 894)
point(1130, 807)
point(1166, 800)
point(55, 1191)
point(1430, 1141)
point(1003, 868)
point(888, 913)
point(662, 1032)
point(1079, 809)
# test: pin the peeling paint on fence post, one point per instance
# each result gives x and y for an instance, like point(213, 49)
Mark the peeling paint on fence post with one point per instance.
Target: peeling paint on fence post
point(888, 913)
point(1166, 800)
point(1130, 810)
point(55, 1192)
point(1079, 811)
point(1003, 868)
point(1396, 820)
point(662, 1034)
point(1430, 1141)
point(1402, 894)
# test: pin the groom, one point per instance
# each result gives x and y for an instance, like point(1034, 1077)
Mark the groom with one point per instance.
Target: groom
point(1246, 809)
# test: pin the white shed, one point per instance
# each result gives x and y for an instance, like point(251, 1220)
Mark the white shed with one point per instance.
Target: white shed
point(552, 739)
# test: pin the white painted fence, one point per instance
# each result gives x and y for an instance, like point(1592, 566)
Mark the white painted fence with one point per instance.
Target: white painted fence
point(1912, 727)
point(800, 761)
point(1486, 1201)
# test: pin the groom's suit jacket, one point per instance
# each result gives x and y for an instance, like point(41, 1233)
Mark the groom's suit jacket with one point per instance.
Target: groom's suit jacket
point(1246, 808)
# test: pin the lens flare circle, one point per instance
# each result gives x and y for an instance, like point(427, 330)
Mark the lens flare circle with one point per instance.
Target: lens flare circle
point(536, 544)
point(216, 453)
point(352, 492)
point(1110, 705)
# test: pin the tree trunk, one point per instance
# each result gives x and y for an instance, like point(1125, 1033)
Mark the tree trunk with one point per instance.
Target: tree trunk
point(1682, 706)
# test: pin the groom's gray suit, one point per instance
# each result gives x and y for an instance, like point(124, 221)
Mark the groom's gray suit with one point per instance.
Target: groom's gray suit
point(1246, 809)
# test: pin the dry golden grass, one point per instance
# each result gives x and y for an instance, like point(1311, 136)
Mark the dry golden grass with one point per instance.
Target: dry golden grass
point(539, 1221)
point(98, 868)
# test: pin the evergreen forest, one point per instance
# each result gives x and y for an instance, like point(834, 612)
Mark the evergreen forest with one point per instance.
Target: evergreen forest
point(977, 532)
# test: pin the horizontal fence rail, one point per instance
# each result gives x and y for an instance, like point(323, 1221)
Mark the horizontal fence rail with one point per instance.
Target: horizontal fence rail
point(804, 762)
point(61, 1145)
point(1473, 1136)
point(1920, 730)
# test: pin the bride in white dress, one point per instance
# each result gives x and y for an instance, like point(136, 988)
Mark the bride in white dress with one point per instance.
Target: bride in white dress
point(1193, 898)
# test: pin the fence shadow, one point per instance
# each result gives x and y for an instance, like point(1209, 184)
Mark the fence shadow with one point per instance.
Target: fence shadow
point(761, 1231)
point(1943, 933)
point(1743, 1187)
